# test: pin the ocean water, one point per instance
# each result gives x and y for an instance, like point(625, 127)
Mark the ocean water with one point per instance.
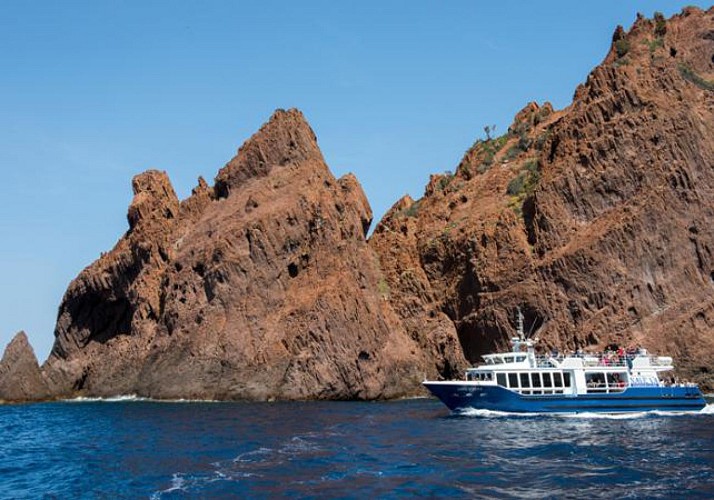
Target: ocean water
point(142, 449)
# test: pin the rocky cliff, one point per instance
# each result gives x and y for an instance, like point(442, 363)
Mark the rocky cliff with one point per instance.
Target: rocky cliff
point(594, 220)
point(262, 286)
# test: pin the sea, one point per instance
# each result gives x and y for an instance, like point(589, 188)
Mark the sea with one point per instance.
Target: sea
point(134, 448)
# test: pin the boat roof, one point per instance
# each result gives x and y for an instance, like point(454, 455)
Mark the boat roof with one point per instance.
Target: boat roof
point(606, 361)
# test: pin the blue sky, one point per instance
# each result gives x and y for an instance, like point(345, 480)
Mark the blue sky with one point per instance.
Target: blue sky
point(92, 93)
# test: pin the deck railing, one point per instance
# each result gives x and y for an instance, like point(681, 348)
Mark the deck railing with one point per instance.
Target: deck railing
point(601, 360)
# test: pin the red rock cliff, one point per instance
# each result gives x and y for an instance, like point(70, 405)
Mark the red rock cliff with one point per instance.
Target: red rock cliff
point(596, 220)
point(260, 287)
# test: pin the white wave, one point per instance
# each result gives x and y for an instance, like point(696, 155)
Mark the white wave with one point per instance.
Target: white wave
point(608, 416)
point(133, 397)
point(186, 400)
point(297, 445)
point(707, 410)
point(111, 399)
point(471, 412)
point(253, 455)
point(178, 483)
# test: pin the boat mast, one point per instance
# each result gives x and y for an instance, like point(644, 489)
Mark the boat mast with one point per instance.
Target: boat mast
point(521, 340)
point(520, 337)
point(521, 332)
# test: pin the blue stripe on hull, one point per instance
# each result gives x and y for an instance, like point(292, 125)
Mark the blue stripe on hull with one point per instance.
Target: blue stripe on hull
point(459, 397)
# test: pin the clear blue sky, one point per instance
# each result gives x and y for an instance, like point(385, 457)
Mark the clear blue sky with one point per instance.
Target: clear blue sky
point(92, 93)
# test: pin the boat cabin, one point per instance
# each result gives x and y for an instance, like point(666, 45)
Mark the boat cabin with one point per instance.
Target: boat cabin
point(534, 375)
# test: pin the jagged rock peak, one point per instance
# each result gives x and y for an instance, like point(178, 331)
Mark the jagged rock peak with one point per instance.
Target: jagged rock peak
point(18, 344)
point(201, 196)
point(354, 195)
point(532, 114)
point(202, 185)
point(405, 206)
point(285, 139)
point(154, 198)
point(20, 376)
point(403, 203)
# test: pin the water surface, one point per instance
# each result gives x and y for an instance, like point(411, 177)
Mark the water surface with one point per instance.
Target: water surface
point(340, 449)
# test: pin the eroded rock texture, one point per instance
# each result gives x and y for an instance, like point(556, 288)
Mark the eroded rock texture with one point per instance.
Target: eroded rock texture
point(260, 287)
point(20, 376)
point(596, 220)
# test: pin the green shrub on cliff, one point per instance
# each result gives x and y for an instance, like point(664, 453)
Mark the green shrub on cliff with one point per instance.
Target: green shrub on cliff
point(654, 44)
point(490, 148)
point(517, 184)
point(383, 288)
point(444, 180)
point(660, 24)
point(413, 209)
point(526, 180)
point(622, 47)
point(692, 76)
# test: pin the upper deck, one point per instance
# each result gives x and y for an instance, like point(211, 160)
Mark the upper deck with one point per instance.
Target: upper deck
point(529, 360)
point(531, 374)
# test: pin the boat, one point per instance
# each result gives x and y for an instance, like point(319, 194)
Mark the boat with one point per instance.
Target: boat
point(521, 381)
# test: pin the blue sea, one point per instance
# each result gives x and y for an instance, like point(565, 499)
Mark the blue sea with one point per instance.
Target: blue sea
point(131, 448)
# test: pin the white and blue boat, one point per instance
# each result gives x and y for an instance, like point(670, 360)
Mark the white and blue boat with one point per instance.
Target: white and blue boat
point(521, 381)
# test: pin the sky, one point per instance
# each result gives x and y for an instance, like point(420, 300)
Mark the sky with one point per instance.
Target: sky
point(93, 93)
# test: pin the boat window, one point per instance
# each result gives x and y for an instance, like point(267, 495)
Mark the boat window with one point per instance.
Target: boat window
point(520, 359)
point(525, 382)
point(595, 381)
point(616, 380)
point(566, 379)
point(546, 380)
point(501, 379)
point(479, 376)
point(536, 379)
point(508, 359)
point(498, 361)
point(557, 379)
point(513, 380)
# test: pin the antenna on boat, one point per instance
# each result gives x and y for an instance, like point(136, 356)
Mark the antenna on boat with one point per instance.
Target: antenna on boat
point(521, 334)
point(533, 329)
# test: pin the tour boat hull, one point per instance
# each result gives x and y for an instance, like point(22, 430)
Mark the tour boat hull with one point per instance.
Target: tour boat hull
point(460, 396)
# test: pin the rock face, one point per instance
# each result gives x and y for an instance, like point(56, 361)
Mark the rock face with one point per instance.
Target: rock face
point(260, 287)
point(595, 220)
point(20, 376)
